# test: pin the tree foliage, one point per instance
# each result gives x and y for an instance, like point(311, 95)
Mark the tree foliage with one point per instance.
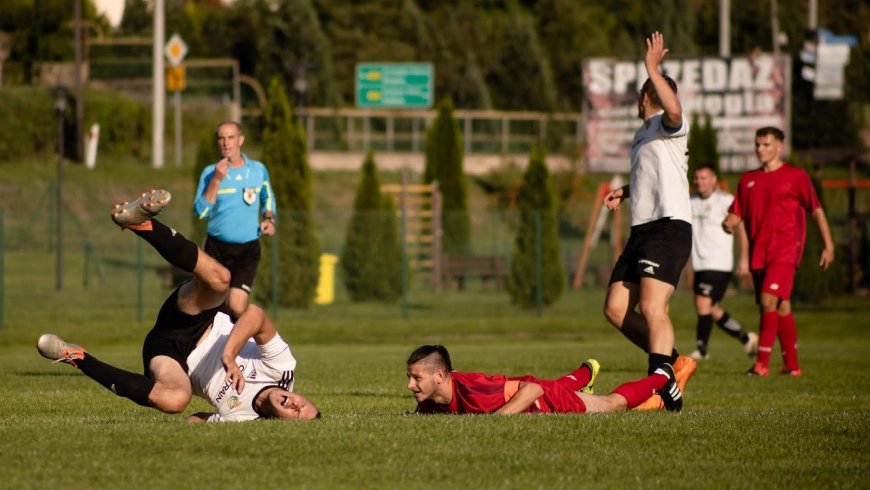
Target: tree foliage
point(444, 153)
point(703, 145)
point(538, 228)
point(812, 284)
point(286, 157)
point(371, 263)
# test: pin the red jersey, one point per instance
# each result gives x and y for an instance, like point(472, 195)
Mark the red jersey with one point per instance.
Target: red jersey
point(774, 207)
point(481, 393)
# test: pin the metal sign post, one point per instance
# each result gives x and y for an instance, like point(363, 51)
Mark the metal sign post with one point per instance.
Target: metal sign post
point(175, 51)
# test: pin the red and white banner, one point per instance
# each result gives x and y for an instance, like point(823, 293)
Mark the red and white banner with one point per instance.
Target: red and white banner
point(741, 94)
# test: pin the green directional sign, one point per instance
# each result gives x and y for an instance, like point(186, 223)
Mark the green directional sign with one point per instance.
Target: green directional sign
point(394, 85)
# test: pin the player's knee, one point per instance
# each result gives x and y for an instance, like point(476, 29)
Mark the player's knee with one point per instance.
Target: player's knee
point(614, 314)
point(169, 402)
point(651, 308)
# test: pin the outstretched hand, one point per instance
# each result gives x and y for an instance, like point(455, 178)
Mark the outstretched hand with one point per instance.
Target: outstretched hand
point(614, 199)
point(655, 51)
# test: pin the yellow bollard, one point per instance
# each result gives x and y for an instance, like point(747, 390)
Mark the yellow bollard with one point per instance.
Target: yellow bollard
point(326, 282)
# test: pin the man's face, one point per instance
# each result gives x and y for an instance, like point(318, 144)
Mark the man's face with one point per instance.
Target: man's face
point(230, 141)
point(767, 148)
point(705, 180)
point(641, 112)
point(282, 404)
point(424, 380)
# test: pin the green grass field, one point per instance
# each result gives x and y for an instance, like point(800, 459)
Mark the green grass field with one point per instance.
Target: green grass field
point(60, 429)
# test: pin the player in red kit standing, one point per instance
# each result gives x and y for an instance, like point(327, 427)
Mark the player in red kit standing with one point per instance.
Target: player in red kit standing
point(771, 204)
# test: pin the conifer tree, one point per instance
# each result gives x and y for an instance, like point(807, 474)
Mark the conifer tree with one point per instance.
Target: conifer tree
point(444, 155)
point(703, 145)
point(537, 213)
point(390, 251)
point(285, 156)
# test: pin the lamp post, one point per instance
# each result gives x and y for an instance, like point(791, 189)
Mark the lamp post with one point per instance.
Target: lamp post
point(60, 111)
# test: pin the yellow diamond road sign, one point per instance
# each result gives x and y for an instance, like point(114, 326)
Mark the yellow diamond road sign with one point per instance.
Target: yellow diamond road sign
point(175, 50)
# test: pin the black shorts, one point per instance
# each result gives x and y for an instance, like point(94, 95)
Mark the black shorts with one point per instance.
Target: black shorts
point(240, 258)
point(658, 249)
point(712, 284)
point(175, 334)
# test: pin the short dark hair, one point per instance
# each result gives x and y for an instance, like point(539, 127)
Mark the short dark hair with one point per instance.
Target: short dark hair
point(648, 85)
point(709, 167)
point(237, 124)
point(439, 356)
point(776, 132)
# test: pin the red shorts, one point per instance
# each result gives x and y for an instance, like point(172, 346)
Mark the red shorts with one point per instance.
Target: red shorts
point(557, 398)
point(777, 280)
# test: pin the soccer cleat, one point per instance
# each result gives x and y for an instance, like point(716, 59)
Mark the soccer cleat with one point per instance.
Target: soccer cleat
point(758, 369)
point(684, 368)
point(671, 395)
point(653, 403)
point(52, 347)
point(751, 345)
point(139, 212)
point(696, 355)
point(789, 372)
point(593, 366)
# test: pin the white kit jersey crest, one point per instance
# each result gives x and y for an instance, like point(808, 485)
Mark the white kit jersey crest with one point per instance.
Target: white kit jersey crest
point(271, 364)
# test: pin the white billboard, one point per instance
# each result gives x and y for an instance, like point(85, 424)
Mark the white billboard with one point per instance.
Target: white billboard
point(741, 94)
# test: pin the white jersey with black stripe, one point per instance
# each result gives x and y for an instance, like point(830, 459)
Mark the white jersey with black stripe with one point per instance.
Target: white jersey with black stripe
point(271, 364)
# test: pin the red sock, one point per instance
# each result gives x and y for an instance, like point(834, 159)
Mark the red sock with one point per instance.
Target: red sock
point(788, 341)
point(767, 336)
point(637, 392)
point(576, 379)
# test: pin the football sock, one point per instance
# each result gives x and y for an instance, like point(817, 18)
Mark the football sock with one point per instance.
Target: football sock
point(674, 356)
point(171, 245)
point(703, 329)
point(732, 328)
point(656, 360)
point(576, 379)
point(134, 386)
point(788, 341)
point(637, 392)
point(767, 336)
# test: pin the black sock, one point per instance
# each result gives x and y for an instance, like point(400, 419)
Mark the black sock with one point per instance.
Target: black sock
point(171, 245)
point(134, 386)
point(656, 360)
point(703, 328)
point(674, 356)
point(732, 328)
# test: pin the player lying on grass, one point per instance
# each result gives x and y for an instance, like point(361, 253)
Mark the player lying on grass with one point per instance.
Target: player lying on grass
point(439, 389)
point(244, 370)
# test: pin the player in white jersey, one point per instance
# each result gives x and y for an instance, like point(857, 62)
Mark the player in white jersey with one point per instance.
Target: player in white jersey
point(193, 347)
point(713, 261)
point(647, 272)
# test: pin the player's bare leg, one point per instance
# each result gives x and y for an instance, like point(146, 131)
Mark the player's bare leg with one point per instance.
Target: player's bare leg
point(237, 301)
point(619, 308)
point(654, 296)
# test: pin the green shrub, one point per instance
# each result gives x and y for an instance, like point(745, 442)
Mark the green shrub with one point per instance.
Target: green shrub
point(537, 215)
point(372, 250)
point(285, 156)
point(125, 125)
point(207, 153)
point(27, 122)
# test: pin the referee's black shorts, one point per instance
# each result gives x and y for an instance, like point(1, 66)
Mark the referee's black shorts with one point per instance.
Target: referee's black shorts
point(241, 259)
point(658, 249)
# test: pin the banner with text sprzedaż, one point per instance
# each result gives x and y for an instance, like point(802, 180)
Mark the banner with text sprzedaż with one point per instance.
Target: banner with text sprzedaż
point(740, 94)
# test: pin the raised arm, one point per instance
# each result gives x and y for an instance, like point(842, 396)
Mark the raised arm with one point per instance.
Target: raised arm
point(522, 399)
point(655, 52)
point(252, 324)
point(822, 222)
